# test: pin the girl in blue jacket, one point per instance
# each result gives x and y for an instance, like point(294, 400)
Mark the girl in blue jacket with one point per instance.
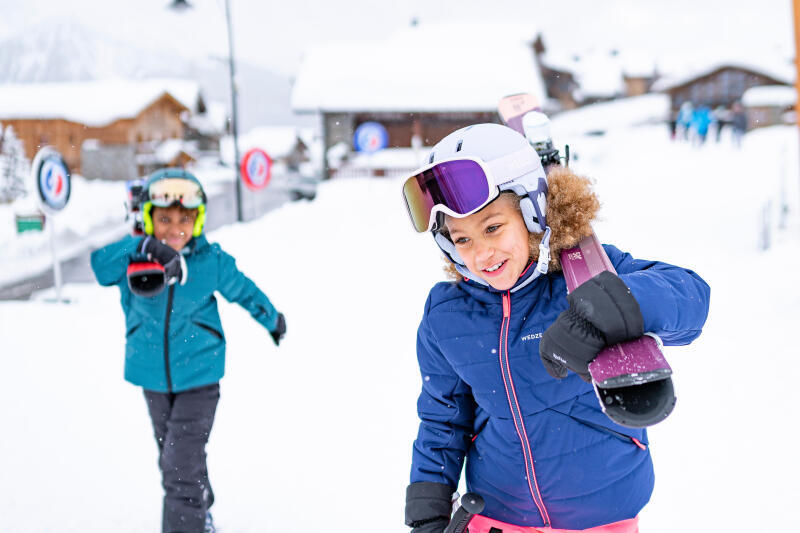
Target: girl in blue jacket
point(538, 448)
point(175, 346)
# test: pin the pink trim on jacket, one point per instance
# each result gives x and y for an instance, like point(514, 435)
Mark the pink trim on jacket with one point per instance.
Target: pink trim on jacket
point(483, 524)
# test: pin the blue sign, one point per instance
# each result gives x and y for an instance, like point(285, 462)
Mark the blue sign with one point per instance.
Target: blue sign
point(52, 179)
point(370, 137)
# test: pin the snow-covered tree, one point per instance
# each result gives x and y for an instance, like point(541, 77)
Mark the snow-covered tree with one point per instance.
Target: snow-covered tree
point(13, 166)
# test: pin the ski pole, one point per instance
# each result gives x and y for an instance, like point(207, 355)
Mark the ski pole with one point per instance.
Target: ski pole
point(471, 504)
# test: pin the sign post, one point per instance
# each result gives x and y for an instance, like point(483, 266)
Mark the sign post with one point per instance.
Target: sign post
point(796, 12)
point(52, 178)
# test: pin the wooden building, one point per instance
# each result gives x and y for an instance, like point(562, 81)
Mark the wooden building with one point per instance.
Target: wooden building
point(770, 105)
point(638, 84)
point(118, 114)
point(420, 84)
point(718, 85)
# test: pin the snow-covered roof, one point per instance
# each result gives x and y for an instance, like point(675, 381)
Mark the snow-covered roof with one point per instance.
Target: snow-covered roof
point(455, 67)
point(213, 122)
point(769, 96)
point(601, 72)
point(94, 103)
point(780, 72)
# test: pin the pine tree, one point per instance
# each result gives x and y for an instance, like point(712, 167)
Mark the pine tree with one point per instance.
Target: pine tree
point(13, 166)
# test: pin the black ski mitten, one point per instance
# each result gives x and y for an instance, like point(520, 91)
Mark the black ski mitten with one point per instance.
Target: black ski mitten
point(602, 311)
point(280, 330)
point(428, 506)
point(154, 266)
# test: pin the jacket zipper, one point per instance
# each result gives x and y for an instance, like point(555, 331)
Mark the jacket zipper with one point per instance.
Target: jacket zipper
point(166, 337)
point(619, 435)
point(209, 329)
point(516, 412)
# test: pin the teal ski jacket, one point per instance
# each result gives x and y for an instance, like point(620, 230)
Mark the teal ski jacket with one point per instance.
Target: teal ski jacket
point(174, 340)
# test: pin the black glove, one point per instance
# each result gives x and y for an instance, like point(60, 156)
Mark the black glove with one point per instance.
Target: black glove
point(602, 311)
point(280, 329)
point(428, 506)
point(154, 266)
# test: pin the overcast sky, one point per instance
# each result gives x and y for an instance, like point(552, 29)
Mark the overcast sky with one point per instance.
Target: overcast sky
point(274, 33)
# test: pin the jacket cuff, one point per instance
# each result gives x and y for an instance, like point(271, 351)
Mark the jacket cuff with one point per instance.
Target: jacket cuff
point(428, 502)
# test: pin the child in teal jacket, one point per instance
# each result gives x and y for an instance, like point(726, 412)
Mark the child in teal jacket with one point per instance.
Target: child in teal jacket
point(175, 346)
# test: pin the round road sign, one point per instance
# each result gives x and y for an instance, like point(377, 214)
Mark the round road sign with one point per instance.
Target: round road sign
point(256, 168)
point(52, 178)
point(370, 137)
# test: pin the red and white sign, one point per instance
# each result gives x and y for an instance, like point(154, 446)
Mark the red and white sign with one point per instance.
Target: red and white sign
point(52, 178)
point(256, 168)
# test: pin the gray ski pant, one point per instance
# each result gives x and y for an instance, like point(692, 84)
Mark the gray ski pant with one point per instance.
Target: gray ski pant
point(182, 423)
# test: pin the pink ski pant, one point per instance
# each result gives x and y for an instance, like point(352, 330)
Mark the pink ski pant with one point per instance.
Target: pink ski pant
point(481, 524)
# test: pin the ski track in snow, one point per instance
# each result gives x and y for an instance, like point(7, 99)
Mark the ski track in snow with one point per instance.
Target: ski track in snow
point(323, 425)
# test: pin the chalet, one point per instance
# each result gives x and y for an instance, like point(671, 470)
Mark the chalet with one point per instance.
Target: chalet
point(769, 105)
point(721, 84)
point(420, 84)
point(581, 77)
point(100, 127)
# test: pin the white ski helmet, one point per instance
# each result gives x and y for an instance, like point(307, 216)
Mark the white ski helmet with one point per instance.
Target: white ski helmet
point(496, 146)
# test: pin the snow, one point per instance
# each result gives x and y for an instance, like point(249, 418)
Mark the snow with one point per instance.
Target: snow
point(599, 73)
point(277, 141)
point(770, 95)
point(598, 118)
point(93, 103)
point(439, 68)
point(325, 422)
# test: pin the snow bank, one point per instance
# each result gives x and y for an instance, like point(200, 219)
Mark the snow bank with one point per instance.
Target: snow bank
point(600, 118)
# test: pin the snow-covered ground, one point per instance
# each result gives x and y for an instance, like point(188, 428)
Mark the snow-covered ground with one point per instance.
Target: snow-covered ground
point(316, 435)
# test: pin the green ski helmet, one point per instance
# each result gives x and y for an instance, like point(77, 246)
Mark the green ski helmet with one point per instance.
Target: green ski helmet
point(173, 186)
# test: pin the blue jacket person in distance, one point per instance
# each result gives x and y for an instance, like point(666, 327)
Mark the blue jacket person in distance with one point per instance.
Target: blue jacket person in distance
point(175, 346)
point(537, 445)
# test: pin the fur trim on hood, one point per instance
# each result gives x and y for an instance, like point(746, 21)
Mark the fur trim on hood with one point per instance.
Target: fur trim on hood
point(571, 207)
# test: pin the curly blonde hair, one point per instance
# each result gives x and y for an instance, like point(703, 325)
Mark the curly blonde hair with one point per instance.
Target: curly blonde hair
point(572, 205)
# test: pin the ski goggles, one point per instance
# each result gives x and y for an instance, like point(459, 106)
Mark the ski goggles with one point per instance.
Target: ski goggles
point(460, 187)
point(168, 191)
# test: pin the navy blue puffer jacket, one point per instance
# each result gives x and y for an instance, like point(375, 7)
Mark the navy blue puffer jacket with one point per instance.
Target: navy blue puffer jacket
point(560, 462)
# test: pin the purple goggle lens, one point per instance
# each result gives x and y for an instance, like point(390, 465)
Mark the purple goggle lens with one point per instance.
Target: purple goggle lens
point(461, 186)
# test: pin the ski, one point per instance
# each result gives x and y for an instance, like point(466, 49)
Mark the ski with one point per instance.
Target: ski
point(632, 380)
point(513, 107)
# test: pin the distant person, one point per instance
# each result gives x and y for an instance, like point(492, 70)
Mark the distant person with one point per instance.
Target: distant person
point(503, 352)
point(722, 118)
point(738, 123)
point(175, 347)
point(673, 124)
point(701, 121)
point(684, 120)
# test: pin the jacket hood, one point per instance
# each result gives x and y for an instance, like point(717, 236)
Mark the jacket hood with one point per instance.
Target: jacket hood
point(572, 206)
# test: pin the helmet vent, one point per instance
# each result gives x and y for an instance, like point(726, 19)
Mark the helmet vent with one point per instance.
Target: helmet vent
point(430, 159)
point(458, 146)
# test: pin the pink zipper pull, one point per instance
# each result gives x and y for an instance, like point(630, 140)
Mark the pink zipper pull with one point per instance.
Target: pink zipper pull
point(506, 305)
